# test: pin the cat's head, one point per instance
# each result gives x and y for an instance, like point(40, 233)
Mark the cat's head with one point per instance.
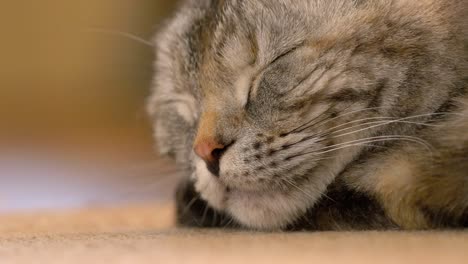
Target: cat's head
point(267, 101)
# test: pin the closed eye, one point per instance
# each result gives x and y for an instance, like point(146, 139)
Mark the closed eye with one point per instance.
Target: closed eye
point(283, 55)
point(256, 79)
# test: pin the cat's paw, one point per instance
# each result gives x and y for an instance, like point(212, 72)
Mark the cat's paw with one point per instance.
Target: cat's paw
point(194, 211)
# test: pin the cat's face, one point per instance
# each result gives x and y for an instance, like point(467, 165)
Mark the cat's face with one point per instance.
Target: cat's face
point(267, 102)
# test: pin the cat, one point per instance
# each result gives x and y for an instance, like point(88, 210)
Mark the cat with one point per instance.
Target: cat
point(316, 114)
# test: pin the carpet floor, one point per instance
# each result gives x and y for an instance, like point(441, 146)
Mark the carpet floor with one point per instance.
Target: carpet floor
point(145, 234)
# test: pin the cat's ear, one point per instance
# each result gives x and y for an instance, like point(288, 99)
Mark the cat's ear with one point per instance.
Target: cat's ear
point(173, 119)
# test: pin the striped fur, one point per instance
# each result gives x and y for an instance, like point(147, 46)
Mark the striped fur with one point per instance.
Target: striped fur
point(339, 114)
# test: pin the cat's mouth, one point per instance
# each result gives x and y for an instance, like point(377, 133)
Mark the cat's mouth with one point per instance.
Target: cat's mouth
point(265, 184)
point(255, 205)
point(266, 164)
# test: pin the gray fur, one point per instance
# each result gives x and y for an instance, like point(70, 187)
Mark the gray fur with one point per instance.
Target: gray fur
point(320, 93)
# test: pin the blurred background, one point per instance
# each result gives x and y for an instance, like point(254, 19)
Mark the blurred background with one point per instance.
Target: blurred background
point(73, 130)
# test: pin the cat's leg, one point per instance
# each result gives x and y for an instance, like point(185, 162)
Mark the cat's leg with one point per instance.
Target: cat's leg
point(418, 188)
point(392, 179)
point(343, 208)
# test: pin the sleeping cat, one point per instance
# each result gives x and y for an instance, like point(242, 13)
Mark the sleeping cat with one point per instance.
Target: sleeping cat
point(316, 114)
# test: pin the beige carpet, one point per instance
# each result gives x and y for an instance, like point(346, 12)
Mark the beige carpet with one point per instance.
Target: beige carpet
point(146, 235)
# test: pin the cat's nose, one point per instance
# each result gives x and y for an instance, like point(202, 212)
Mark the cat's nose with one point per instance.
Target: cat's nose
point(210, 151)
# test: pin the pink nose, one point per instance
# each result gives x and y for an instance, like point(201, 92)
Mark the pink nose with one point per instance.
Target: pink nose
point(209, 150)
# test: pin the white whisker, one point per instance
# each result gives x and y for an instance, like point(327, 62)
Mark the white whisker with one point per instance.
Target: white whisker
point(205, 211)
point(303, 191)
point(364, 141)
point(383, 123)
point(347, 114)
point(122, 34)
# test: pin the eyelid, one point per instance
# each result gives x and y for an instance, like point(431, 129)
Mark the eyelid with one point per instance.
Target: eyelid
point(284, 54)
point(259, 73)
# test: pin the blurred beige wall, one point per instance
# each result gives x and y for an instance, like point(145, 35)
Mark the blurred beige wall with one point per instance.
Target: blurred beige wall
point(67, 85)
point(58, 73)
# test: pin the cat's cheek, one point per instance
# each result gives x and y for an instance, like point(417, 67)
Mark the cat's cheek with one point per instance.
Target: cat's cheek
point(209, 188)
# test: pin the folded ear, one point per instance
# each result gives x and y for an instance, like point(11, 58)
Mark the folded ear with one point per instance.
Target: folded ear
point(174, 122)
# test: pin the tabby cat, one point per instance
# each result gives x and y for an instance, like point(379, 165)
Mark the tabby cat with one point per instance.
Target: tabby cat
point(316, 114)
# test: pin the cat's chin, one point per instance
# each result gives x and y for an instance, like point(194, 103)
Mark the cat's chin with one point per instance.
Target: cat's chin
point(260, 209)
point(263, 210)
